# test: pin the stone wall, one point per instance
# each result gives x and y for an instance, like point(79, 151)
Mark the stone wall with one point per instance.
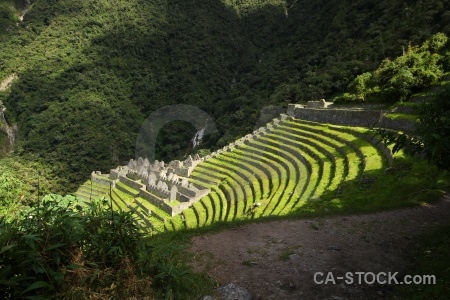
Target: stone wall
point(158, 202)
point(98, 178)
point(361, 118)
point(397, 124)
point(115, 173)
point(131, 183)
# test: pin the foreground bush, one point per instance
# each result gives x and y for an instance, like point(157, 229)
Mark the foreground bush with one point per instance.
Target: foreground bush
point(70, 248)
point(431, 139)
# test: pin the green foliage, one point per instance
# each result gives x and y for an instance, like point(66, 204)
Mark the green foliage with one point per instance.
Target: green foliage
point(203, 152)
point(4, 140)
point(169, 278)
point(10, 189)
point(395, 81)
point(360, 84)
point(431, 139)
point(89, 74)
point(247, 7)
point(68, 248)
point(434, 128)
point(30, 175)
point(39, 246)
point(9, 14)
point(171, 265)
point(347, 98)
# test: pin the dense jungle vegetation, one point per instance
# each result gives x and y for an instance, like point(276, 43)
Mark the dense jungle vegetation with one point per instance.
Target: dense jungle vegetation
point(90, 72)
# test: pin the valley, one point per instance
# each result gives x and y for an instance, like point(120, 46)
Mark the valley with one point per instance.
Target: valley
point(163, 149)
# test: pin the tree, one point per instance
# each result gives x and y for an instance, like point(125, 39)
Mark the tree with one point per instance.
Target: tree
point(431, 139)
point(10, 190)
point(395, 80)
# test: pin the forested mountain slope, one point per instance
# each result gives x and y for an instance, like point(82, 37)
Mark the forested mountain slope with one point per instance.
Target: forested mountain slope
point(90, 72)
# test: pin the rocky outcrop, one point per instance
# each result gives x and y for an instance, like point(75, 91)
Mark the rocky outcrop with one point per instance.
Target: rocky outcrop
point(11, 131)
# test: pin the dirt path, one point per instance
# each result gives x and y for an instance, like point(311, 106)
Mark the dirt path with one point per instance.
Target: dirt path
point(278, 260)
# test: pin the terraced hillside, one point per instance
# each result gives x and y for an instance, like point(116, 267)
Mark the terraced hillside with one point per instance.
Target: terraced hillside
point(90, 190)
point(275, 172)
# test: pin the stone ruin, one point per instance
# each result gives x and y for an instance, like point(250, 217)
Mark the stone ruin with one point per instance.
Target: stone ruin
point(142, 168)
point(160, 183)
point(318, 104)
point(310, 104)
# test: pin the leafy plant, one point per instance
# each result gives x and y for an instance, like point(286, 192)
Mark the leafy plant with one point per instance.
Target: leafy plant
point(395, 80)
point(61, 234)
point(172, 277)
point(10, 189)
point(431, 139)
point(169, 277)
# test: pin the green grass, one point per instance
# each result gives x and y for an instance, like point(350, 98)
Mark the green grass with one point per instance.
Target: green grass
point(191, 218)
point(340, 168)
point(124, 196)
point(269, 167)
point(207, 203)
point(91, 189)
point(399, 116)
point(248, 171)
point(223, 203)
point(332, 135)
point(409, 182)
point(200, 182)
point(174, 203)
point(317, 157)
point(153, 208)
point(127, 189)
point(265, 158)
point(335, 136)
point(177, 223)
point(272, 151)
point(295, 184)
point(199, 212)
point(244, 193)
point(204, 176)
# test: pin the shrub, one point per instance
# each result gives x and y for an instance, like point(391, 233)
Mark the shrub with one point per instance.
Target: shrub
point(43, 244)
point(431, 139)
point(347, 98)
point(395, 80)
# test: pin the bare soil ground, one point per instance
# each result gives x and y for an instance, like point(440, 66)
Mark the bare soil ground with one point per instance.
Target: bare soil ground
point(278, 260)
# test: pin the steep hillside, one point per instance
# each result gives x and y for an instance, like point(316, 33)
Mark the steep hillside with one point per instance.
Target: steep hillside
point(90, 72)
point(11, 12)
